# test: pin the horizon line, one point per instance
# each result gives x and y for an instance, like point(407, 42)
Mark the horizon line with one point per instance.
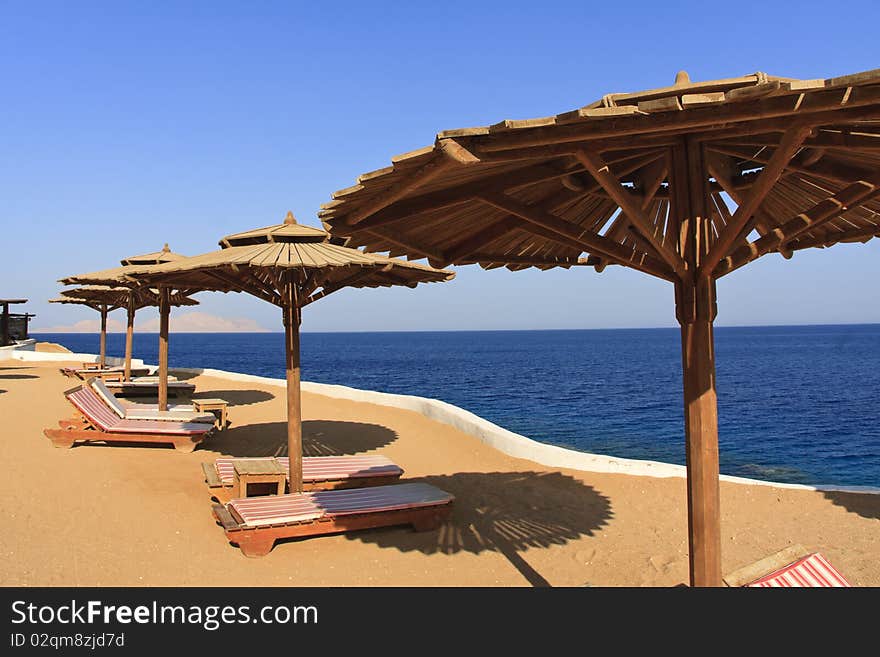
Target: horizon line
point(499, 330)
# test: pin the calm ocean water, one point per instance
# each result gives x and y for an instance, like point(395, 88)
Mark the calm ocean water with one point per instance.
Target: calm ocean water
point(796, 403)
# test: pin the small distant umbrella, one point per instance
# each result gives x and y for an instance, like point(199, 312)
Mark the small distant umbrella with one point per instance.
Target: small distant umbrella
point(118, 277)
point(290, 266)
point(105, 299)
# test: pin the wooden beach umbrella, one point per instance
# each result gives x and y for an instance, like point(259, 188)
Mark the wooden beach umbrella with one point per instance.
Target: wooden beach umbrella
point(288, 265)
point(686, 183)
point(137, 296)
point(106, 298)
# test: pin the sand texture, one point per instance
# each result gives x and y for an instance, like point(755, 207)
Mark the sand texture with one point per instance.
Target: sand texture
point(116, 516)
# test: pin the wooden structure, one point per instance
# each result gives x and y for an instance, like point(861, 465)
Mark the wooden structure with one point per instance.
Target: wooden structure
point(137, 296)
point(255, 523)
point(218, 407)
point(247, 472)
point(107, 298)
point(95, 422)
point(13, 326)
point(319, 472)
point(686, 183)
point(290, 266)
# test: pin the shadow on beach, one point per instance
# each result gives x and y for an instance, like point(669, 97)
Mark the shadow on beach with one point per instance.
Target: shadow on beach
point(866, 505)
point(320, 438)
point(508, 512)
point(19, 376)
point(236, 397)
point(2, 391)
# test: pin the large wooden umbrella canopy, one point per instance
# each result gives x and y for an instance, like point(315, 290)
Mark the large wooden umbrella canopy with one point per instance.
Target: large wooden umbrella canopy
point(139, 296)
point(288, 265)
point(106, 298)
point(686, 183)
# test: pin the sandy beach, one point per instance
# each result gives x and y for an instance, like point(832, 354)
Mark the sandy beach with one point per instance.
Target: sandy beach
point(117, 516)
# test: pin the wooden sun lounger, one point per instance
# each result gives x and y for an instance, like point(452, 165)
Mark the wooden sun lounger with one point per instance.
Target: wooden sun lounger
point(792, 567)
point(84, 374)
point(147, 386)
point(319, 472)
point(95, 422)
point(176, 412)
point(255, 523)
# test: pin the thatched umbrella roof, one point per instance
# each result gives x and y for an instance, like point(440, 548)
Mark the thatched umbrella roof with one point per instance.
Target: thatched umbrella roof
point(117, 297)
point(686, 183)
point(290, 266)
point(255, 261)
point(592, 185)
point(139, 296)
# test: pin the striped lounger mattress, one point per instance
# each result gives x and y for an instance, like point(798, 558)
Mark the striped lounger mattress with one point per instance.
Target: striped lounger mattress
point(307, 507)
point(324, 468)
point(810, 571)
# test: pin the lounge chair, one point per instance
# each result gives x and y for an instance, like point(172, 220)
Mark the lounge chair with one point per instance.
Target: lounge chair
point(131, 411)
point(95, 422)
point(148, 386)
point(255, 523)
point(319, 472)
point(177, 412)
point(86, 373)
point(791, 567)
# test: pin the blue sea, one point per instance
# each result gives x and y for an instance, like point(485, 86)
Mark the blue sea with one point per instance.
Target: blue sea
point(796, 403)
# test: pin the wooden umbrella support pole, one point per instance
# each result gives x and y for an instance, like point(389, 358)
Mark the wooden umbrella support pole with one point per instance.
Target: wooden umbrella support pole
point(164, 309)
point(695, 308)
point(291, 318)
point(129, 335)
point(103, 335)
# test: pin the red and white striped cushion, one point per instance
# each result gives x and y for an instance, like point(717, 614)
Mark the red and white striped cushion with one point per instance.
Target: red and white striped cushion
point(811, 571)
point(98, 413)
point(325, 468)
point(299, 507)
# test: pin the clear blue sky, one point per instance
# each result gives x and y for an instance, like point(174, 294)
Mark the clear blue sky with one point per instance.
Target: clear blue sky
point(125, 125)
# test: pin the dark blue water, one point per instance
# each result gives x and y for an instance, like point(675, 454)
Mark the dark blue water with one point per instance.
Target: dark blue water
point(796, 404)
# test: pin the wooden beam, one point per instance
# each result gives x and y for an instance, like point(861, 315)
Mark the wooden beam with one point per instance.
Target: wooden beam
point(611, 184)
point(695, 310)
point(821, 213)
point(722, 171)
point(291, 317)
point(828, 169)
point(164, 311)
point(814, 106)
point(438, 165)
point(500, 183)
point(488, 234)
point(531, 261)
point(590, 241)
point(733, 232)
point(362, 273)
point(830, 239)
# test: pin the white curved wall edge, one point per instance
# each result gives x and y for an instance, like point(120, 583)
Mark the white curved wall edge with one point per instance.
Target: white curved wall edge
point(68, 357)
point(508, 442)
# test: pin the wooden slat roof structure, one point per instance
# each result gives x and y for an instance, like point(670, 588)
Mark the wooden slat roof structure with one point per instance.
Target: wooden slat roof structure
point(117, 297)
point(686, 183)
point(592, 186)
point(117, 276)
point(256, 260)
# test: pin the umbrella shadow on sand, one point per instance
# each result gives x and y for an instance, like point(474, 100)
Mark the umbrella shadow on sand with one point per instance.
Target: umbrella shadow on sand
point(19, 376)
point(506, 512)
point(866, 505)
point(320, 438)
point(236, 397)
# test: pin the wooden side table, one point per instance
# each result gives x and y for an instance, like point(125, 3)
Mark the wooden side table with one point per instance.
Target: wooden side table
point(216, 406)
point(256, 471)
